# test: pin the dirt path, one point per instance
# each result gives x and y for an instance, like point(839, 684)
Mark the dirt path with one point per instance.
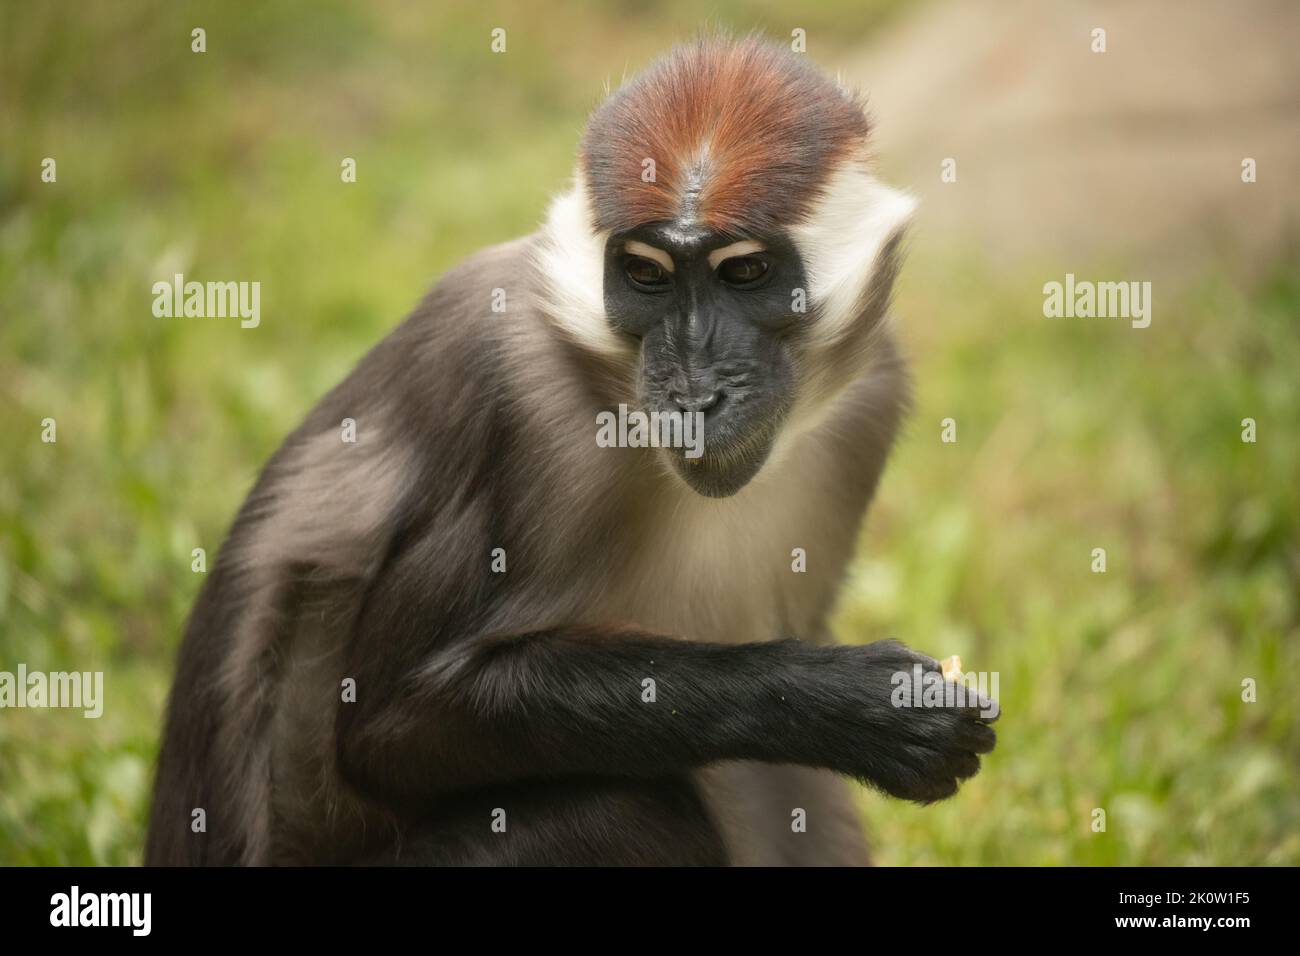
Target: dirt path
point(1066, 154)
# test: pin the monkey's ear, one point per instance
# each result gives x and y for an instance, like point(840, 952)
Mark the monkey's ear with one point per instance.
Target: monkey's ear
point(850, 246)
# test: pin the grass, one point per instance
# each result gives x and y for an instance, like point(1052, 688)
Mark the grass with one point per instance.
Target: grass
point(1120, 690)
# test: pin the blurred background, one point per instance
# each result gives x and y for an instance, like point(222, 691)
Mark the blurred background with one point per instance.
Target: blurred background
point(1120, 690)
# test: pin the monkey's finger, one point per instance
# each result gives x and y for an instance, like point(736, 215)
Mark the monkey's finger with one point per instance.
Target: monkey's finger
point(980, 738)
point(965, 766)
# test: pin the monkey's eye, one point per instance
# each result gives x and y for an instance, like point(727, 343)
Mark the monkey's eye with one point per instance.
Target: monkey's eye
point(742, 270)
point(645, 273)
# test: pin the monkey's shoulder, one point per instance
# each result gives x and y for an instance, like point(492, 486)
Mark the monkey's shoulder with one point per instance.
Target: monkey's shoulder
point(444, 358)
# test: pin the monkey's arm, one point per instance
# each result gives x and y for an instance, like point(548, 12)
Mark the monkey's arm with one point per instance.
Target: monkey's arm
point(576, 701)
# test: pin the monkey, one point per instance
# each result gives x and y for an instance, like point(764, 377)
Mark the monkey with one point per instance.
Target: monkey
point(448, 628)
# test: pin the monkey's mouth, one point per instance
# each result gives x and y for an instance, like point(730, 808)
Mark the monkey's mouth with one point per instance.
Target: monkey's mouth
point(730, 459)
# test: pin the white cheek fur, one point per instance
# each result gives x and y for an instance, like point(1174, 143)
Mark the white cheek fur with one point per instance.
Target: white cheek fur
point(570, 259)
point(842, 240)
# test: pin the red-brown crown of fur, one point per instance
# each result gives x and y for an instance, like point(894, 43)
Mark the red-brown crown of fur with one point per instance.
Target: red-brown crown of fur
point(743, 135)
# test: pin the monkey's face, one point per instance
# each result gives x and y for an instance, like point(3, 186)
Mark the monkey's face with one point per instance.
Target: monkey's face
point(711, 313)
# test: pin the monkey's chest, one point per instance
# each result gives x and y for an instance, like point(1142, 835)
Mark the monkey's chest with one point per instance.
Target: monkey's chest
point(724, 574)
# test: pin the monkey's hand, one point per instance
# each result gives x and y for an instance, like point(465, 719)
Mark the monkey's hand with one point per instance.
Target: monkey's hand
point(916, 735)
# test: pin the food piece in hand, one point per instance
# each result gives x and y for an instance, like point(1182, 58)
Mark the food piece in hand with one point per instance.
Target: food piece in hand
point(951, 668)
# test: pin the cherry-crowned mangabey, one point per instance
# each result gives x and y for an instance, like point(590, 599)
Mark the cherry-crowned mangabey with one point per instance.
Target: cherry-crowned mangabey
point(475, 634)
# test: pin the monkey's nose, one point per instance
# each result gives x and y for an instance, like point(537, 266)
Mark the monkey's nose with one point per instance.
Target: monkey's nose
point(698, 402)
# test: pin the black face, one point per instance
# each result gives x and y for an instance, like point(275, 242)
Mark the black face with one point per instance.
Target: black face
point(713, 339)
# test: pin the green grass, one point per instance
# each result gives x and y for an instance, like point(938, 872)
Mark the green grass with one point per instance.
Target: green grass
point(1120, 690)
